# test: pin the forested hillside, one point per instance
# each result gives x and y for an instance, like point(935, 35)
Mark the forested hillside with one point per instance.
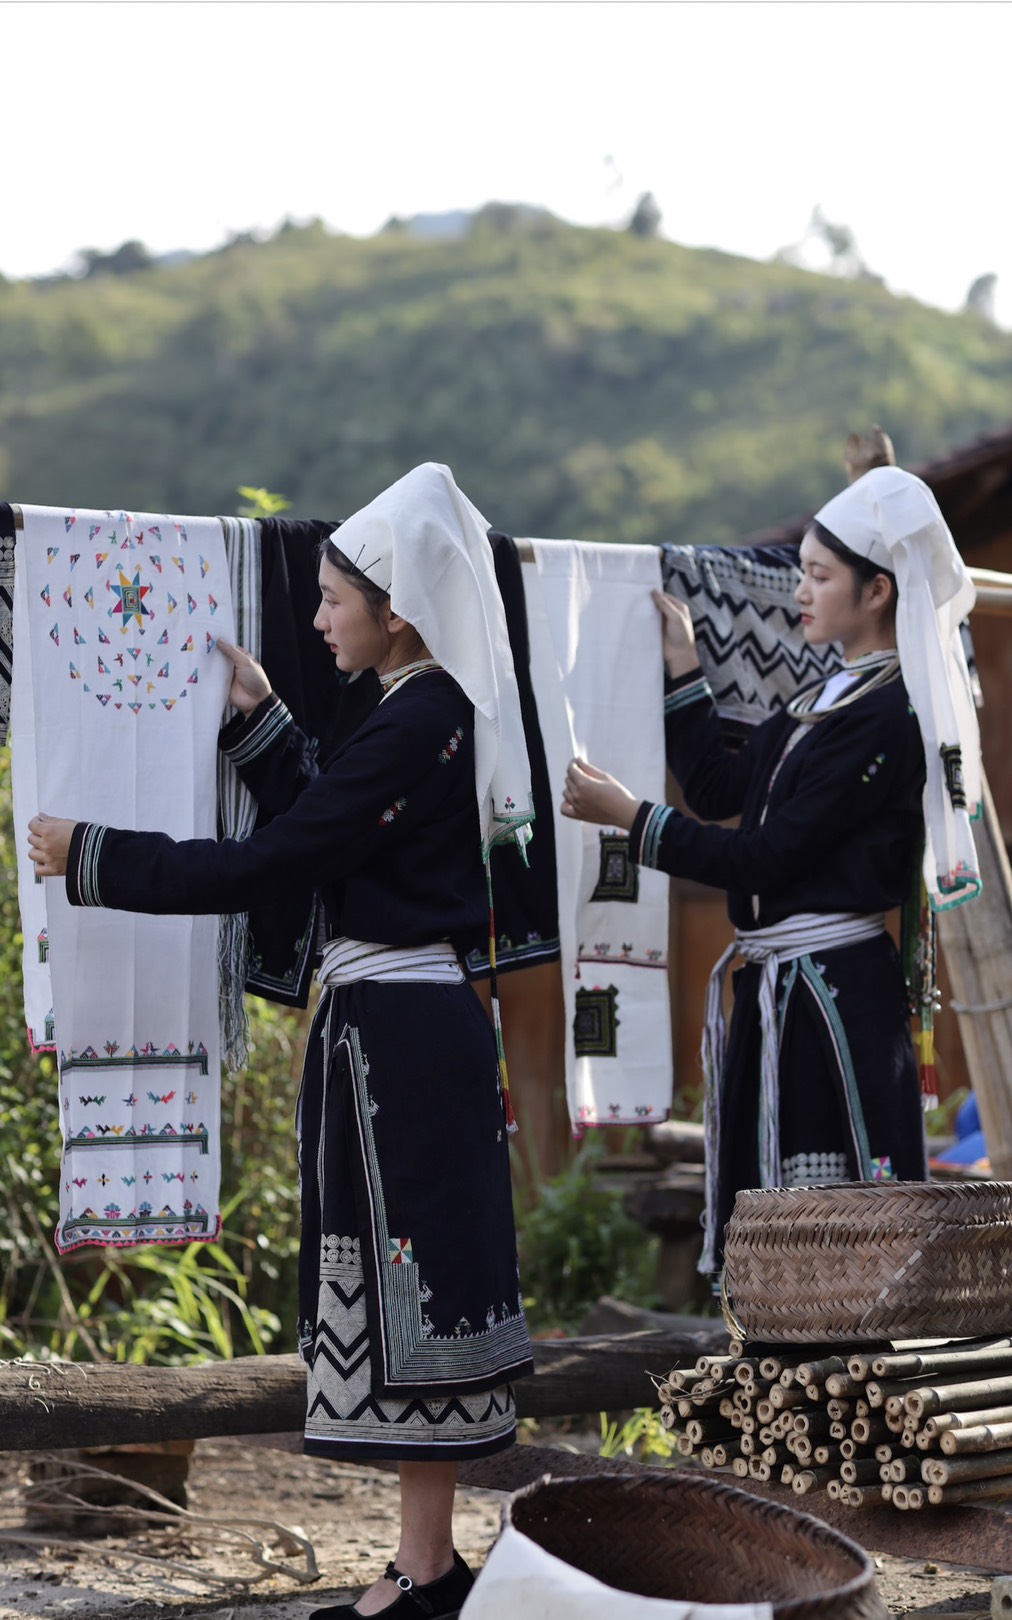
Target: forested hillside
point(579, 382)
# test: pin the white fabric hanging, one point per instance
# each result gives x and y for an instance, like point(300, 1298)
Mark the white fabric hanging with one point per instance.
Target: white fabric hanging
point(597, 673)
point(117, 700)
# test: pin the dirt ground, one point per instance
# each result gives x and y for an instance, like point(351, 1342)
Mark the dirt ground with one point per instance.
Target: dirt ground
point(347, 1513)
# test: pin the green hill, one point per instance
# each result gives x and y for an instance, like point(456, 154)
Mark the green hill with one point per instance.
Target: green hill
point(579, 382)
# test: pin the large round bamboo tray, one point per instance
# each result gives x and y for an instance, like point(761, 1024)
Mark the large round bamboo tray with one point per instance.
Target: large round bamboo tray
point(870, 1260)
point(684, 1537)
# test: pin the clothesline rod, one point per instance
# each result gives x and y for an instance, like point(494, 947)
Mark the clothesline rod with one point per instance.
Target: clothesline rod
point(994, 590)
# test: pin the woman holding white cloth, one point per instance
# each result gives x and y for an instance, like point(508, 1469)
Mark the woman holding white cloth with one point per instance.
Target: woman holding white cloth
point(843, 798)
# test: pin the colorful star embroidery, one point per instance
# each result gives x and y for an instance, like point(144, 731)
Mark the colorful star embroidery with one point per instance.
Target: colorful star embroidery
point(131, 595)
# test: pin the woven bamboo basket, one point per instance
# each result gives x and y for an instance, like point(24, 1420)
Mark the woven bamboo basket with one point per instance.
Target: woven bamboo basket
point(870, 1260)
point(687, 1538)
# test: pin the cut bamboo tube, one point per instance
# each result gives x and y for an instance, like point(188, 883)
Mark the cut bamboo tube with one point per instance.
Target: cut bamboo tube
point(803, 1448)
point(748, 1423)
point(708, 1428)
point(757, 1469)
point(883, 1453)
point(925, 1401)
point(985, 1437)
point(816, 1372)
point(812, 1421)
point(727, 1407)
point(901, 1469)
point(838, 1431)
point(887, 1490)
point(907, 1497)
point(787, 1399)
point(788, 1378)
point(747, 1445)
point(811, 1479)
point(841, 1383)
point(868, 1430)
point(765, 1411)
point(951, 1470)
point(863, 1472)
point(878, 1390)
point(822, 1455)
point(833, 1489)
point(770, 1368)
point(787, 1474)
point(684, 1446)
point(973, 1490)
point(941, 1421)
point(745, 1370)
point(721, 1454)
point(739, 1467)
point(842, 1410)
point(861, 1495)
point(929, 1364)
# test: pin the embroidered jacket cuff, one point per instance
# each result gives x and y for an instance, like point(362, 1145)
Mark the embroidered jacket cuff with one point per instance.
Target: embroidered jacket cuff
point(247, 736)
point(83, 863)
point(681, 690)
point(645, 833)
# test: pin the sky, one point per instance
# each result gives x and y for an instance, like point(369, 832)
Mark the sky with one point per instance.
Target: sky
point(178, 124)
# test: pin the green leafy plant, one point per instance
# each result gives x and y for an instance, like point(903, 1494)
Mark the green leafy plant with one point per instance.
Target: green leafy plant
point(260, 503)
point(641, 1435)
point(576, 1242)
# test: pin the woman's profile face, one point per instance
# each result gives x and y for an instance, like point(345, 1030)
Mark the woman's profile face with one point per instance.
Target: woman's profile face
point(344, 618)
point(832, 603)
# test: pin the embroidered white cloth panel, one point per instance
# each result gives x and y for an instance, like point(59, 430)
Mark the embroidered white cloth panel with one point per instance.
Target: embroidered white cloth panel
point(117, 699)
point(522, 1579)
point(597, 672)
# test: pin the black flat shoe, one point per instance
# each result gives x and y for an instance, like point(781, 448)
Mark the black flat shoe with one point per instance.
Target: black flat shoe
point(441, 1599)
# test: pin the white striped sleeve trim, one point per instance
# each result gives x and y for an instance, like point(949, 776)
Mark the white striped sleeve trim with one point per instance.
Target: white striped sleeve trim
point(87, 865)
point(261, 736)
point(693, 693)
point(653, 827)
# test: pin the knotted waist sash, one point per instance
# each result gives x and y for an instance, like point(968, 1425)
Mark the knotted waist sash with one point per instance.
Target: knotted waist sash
point(787, 941)
point(346, 961)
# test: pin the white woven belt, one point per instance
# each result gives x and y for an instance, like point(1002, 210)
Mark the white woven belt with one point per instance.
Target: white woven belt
point(780, 942)
point(347, 961)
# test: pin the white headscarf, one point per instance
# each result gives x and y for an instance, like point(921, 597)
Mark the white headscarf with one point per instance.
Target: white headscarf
point(892, 518)
point(423, 542)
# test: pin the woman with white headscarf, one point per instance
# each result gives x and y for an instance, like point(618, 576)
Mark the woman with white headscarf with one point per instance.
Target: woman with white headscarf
point(411, 1319)
point(863, 785)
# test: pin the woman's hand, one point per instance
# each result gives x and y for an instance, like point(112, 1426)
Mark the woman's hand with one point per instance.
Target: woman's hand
point(593, 795)
point(49, 844)
point(249, 682)
point(680, 655)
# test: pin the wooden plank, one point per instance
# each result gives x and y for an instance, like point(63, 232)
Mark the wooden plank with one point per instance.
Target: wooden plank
point(45, 1405)
point(976, 940)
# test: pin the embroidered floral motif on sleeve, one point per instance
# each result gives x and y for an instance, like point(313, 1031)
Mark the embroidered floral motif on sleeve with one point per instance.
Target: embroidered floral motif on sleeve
point(393, 811)
point(447, 753)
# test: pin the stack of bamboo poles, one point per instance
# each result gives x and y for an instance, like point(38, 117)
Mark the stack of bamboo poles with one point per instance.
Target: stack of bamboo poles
point(914, 1427)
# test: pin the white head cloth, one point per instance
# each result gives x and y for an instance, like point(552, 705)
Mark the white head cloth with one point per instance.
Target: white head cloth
point(423, 542)
point(892, 518)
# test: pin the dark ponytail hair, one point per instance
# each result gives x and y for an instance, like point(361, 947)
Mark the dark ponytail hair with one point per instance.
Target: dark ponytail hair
point(862, 568)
